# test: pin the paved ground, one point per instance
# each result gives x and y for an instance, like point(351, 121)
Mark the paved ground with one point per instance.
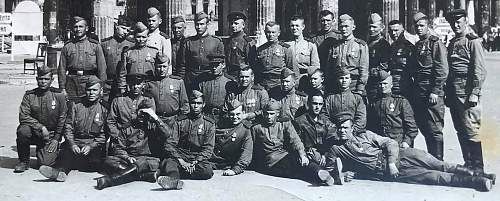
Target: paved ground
point(248, 186)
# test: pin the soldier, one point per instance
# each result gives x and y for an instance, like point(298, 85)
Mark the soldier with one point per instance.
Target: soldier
point(156, 38)
point(189, 149)
point(379, 54)
point(430, 76)
point(113, 48)
point(374, 156)
point(402, 62)
point(169, 93)
point(315, 82)
point(463, 89)
point(318, 135)
point(233, 141)
point(137, 135)
point(305, 53)
point(349, 53)
point(240, 48)
point(272, 57)
point(252, 96)
point(326, 36)
point(291, 101)
point(178, 28)
point(141, 58)
point(198, 47)
point(343, 100)
point(391, 116)
point(81, 57)
point(214, 86)
point(84, 134)
point(41, 122)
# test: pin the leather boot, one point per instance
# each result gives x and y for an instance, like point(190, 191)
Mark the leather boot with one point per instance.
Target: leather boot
point(325, 177)
point(170, 183)
point(491, 176)
point(127, 175)
point(461, 170)
point(53, 173)
point(148, 176)
point(476, 154)
point(439, 150)
point(22, 166)
point(431, 147)
point(464, 146)
point(478, 183)
point(23, 152)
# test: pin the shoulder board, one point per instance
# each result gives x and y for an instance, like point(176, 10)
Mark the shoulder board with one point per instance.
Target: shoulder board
point(175, 77)
point(309, 39)
point(130, 39)
point(257, 87)
point(284, 44)
point(397, 96)
point(152, 47)
point(93, 40)
point(209, 119)
point(247, 38)
point(301, 93)
point(68, 41)
point(283, 119)
point(56, 90)
point(359, 41)
point(216, 37)
point(164, 35)
point(247, 124)
point(433, 38)
point(106, 39)
point(181, 117)
point(30, 91)
point(471, 36)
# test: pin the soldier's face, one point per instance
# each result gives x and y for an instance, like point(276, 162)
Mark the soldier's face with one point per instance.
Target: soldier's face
point(237, 25)
point(272, 33)
point(346, 27)
point(297, 26)
point(345, 130)
point(316, 104)
point(136, 88)
point(235, 115)
point(326, 22)
point(178, 29)
point(245, 78)
point(216, 68)
point(345, 82)
point(421, 27)
point(395, 31)
point(164, 70)
point(385, 86)
point(316, 80)
point(375, 29)
point(201, 26)
point(80, 28)
point(459, 25)
point(270, 116)
point(121, 31)
point(44, 81)
point(196, 105)
point(287, 83)
point(93, 92)
point(154, 22)
point(141, 38)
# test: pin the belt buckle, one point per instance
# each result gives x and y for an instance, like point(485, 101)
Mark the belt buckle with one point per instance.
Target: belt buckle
point(79, 72)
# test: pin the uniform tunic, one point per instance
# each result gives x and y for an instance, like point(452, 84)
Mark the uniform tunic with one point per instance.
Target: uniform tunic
point(170, 96)
point(324, 40)
point(177, 46)
point(305, 55)
point(402, 66)
point(195, 53)
point(85, 124)
point(142, 60)
point(379, 55)
point(161, 42)
point(233, 147)
point(316, 135)
point(240, 49)
point(347, 102)
point(291, 102)
point(253, 98)
point(272, 57)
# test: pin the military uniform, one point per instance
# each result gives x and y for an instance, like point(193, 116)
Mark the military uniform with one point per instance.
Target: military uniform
point(291, 102)
point(177, 46)
point(160, 41)
point(196, 51)
point(80, 59)
point(253, 98)
point(170, 96)
point(347, 101)
point(214, 89)
point(140, 60)
point(305, 55)
point(271, 59)
point(402, 67)
point(239, 49)
point(379, 56)
point(323, 41)
point(113, 48)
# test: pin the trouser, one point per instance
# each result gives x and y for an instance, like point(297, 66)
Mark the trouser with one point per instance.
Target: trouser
point(144, 164)
point(430, 121)
point(75, 86)
point(289, 167)
point(26, 137)
point(171, 167)
point(418, 166)
point(68, 160)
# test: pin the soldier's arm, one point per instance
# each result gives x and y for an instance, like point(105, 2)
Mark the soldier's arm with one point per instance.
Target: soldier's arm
point(246, 153)
point(170, 146)
point(294, 138)
point(389, 146)
point(220, 47)
point(112, 118)
point(183, 99)
point(264, 99)
point(181, 67)
point(167, 49)
point(314, 55)
point(69, 125)
point(478, 64)
point(101, 63)
point(25, 117)
point(252, 53)
point(122, 72)
point(61, 118)
point(289, 61)
point(363, 67)
point(208, 144)
point(440, 68)
point(61, 70)
point(359, 114)
point(410, 128)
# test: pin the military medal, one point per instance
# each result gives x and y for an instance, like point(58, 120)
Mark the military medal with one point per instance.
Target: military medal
point(392, 107)
point(53, 104)
point(400, 52)
point(97, 117)
point(148, 57)
point(200, 128)
point(171, 87)
point(297, 99)
point(233, 137)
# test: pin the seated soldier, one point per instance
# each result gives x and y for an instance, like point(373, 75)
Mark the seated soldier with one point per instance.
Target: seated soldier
point(291, 101)
point(41, 121)
point(189, 147)
point(314, 81)
point(233, 141)
point(318, 135)
point(84, 134)
point(137, 135)
point(278, 150)
point(391, 115)
point(374, 156)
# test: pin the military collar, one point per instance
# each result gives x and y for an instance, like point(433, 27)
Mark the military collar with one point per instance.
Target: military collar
point(386, 95)
point(41, 91)
point(375, 38)
point(311, 119)
point(194, 117)
point(203, 36)
point(178, 39)
point(119, 39)
point(426, 36)
point(401, 37)
point(299, 38)
point(289, 93)
point(239, 34)
point(75, 40)
point(351, 37)
point(155, 32)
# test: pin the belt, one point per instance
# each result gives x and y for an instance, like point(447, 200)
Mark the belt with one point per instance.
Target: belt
point(165, 114)
point(82, 72)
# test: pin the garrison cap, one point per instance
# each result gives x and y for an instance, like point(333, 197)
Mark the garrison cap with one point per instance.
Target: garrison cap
point(123, 21)
point(135, 77)
point(273, 105)
point(77, 19)
point(342, 72)
point(374, 18)
point(43, 70)
point(195, 94)
point(140, 27)
point(92, 81)
point(382, 75)
point(236, 15)
point(312, 70)
point(199, 16)
point(233, 104)
point(286, 72)
point(342, 117)
point(152, 11)
point(345, 17)
point(216, 58)
point(418, 16)
point(178, 19)
point(455, 14)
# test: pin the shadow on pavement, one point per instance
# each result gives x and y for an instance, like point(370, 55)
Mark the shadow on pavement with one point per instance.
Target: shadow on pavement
point(10, 163)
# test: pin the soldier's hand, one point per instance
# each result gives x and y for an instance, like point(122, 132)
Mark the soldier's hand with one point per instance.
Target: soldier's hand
point(304, 161)
point(473, 99)
point(122, 91)
point(85, 150)
point(405, 145)
point(150, 113)
point(185, 165)
point(45, 133)
point(322, 162)
point(228, 172)
point(132, 160)
point(393, 170)
point(52, 146)
point(349, 176)
point(433, 98)
point(75, 149)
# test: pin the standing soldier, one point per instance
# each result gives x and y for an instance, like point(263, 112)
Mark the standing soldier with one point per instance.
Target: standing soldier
point(240, 48)
point(156, 38)
point(291, 100)
point(463, 89)
point(272, 57)
point(326, 36)
point(84, 134)
point(430, 76)
point(349, 53)
point(178, 28)
point(113, 48)
point(197, 48)
point(305, 53)
point(41, 122)
point(81, 57)
point(379, 54)
point(233, 141)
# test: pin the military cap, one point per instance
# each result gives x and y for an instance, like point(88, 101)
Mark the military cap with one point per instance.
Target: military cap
point(312, 70)
point(418, 16)
point(200, 16)
point(152, 11)
point(195, 94)
point(140, 27)
point(123, 21)
point(382, 75)
point(244, 66)
point(342, 72)
point(342, 117)
point(345, 17)
point(77, 19)
point(286, 72)
point(92, 81)
point(43, 70)
point(455, 14)
point(135, 77)
point(273, 105)
point(236, 15)
point(374, 18)
point(233, 104)
point(216, 58)
point(178, 19)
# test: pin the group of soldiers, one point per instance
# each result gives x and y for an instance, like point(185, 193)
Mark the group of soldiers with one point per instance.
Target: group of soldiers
point(143, 106)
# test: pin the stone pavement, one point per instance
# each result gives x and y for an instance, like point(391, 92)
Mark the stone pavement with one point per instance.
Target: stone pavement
point(248, 186)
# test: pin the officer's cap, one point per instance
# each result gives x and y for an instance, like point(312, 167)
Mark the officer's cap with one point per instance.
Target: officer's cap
point(374, 18)
point(43, 70)
point(455, 14)
point(273, 105)
point(286, 72)
point(342, 71)
point(135, 77)
point(178, 19)
point(77, 19)
point(199, 16)
point(235, 15)
point(123, 21)
point(345, 17)
point(93, 80)
point(233, 104)
point(418, 16)
point(312, 70)
point(140, 27)
point(382, 75)
point(216, 58)
point(342, 117)
point(152, 11)
point(195, 94)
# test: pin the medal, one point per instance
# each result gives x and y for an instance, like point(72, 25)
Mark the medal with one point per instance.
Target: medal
point(200, 128)
point(53, 104)
point(171, 87)
point(97, 119)
point(233, 137)
point(392, 107)
point(148, 57)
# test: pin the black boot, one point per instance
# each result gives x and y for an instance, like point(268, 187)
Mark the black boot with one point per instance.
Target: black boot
point(148, 176)
point(23, 152)
point(464, 146)
point(476, 154)
point(478, 183)
point(127, 175)
point(439, 150)
point(461, 170)
point(431, 147)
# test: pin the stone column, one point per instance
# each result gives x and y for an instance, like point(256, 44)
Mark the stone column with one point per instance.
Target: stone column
point(462, 5)
point(390, 12)
point(331, 5)
point(2, 6)
point(187, 10)
point(199, 6)
point(411, 9)
point(103, 20)
point(484, 14)
point(450, 5)
point(496, 15)
point(173, 8)
point(265, 13)
point(431, 9)
point(211, 7)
